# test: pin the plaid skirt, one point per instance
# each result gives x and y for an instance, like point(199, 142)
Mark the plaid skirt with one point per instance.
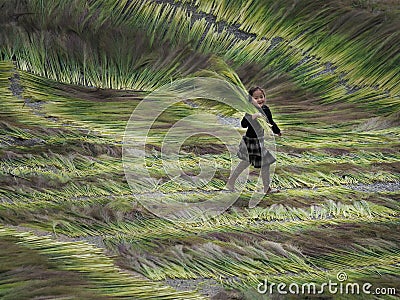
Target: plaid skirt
point(253, 151)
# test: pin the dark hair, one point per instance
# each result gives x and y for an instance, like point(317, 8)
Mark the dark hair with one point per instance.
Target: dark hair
point(253, 89)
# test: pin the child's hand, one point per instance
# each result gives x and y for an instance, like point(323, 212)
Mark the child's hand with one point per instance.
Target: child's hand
point(256, 115)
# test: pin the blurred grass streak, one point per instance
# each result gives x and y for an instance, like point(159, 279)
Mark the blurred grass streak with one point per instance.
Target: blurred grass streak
point(361, 43)
point(77, 257)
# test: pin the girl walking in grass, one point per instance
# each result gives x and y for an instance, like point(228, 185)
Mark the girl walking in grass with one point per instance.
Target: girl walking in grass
point(251, 148)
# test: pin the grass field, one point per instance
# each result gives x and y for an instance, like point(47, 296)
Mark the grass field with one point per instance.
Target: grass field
point(72, 73)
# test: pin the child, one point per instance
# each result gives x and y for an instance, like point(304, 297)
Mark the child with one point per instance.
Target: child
point(251, 149)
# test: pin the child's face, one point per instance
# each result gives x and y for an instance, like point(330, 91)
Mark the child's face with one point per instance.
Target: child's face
point(258, 98)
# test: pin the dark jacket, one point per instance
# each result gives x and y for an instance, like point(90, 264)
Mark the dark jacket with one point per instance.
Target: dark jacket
point(254, 128)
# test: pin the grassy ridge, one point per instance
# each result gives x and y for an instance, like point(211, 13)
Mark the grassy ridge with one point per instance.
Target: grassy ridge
point(146, 64)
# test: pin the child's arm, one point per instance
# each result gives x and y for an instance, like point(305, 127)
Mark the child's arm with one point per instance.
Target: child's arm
point(275, 128)
point(245, 122)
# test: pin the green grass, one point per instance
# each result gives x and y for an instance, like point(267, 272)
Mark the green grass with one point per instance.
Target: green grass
point(72, 226)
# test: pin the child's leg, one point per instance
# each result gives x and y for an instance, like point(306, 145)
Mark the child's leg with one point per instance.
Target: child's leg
point(265, 177)
point(235, 174)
